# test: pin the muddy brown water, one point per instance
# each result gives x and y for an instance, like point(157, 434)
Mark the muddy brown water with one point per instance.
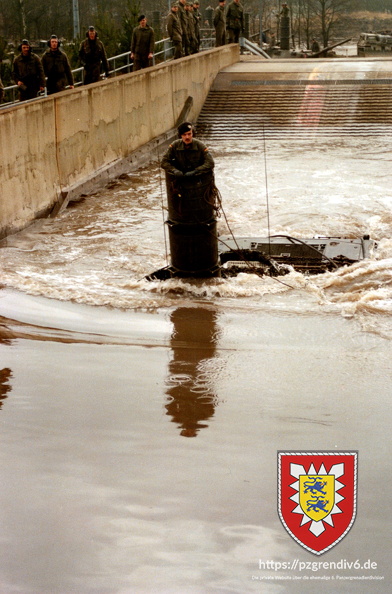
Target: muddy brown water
point(140, 422)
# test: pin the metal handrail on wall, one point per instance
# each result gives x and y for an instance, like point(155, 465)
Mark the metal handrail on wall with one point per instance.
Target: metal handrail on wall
point(163, 53)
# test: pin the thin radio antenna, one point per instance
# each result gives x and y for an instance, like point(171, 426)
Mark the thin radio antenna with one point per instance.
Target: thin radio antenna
point(266, 192)
point(162, 206)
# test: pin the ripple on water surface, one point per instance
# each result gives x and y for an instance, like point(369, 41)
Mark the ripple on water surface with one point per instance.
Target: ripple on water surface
point(99, 250)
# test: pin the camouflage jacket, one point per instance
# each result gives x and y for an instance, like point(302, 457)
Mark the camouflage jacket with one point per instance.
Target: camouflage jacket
point(173, 26)
point(28, 70)
point(235, 16)
point(57, 69)
point(92, 53)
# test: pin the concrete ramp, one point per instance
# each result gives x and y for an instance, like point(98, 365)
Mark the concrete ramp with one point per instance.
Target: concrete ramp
point(299, 97)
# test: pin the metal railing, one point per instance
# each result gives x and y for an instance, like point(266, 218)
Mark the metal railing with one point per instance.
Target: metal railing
point(120, 64)
point(253, 48)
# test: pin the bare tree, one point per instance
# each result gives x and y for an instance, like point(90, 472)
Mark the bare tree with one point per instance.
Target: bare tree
point(326, 14)
point(34, 19)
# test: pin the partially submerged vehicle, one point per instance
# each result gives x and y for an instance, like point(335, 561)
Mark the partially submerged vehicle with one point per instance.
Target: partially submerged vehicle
point(197, 251)
point(265, 256)
point(374, 44)
point(280, 253)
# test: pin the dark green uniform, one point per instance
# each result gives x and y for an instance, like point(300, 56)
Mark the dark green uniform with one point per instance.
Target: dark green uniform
point(184, 27)
point(191, 32)
point(57, 69)
point(192, 159)
point(28, 70)
point(220, 25)
point(197, 18)
point(174, 31)
point(142, 45)
point(91, 54)
point(234, 21)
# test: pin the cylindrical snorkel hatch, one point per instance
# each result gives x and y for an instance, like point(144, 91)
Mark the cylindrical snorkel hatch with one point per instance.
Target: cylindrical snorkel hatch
point(193, 239)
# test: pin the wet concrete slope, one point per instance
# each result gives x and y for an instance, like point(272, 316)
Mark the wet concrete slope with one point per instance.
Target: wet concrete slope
point(299, 96)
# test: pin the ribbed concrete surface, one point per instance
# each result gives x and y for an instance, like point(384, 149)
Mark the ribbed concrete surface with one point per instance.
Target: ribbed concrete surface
point(299, 96)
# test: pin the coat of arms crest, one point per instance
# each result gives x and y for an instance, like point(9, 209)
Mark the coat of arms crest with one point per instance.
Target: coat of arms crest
point(317, 493)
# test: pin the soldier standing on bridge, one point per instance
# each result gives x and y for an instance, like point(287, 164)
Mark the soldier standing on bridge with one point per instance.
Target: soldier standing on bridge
point(197, 18)
point(56, 67)
point(235, 21)
point(142, 45)
point(182, 15)
point(187, 156)
point(28, 73)
point(192, 42)
point(92, 54)
point(220, 24)
point(174, 30)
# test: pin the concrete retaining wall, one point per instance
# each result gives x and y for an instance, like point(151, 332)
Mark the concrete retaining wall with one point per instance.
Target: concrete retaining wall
point(51, 146)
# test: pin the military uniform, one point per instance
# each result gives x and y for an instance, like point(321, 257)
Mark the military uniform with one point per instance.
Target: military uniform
point(142, 45)
point(315, 46)
point(91, 54)
point(191, 33)
point(220, 26)
point(192, 159)
point(285, 10)
point(183, 18)
point(57, 69)
point(197, 18)
point(28, 70)
point(234, 21)
point(174, 31)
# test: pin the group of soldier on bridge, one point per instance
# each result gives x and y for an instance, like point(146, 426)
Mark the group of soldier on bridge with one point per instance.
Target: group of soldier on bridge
point(52, 71)
point(184, 20)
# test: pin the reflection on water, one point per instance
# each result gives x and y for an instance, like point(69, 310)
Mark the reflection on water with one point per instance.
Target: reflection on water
point(5, 387)
point(191, 399)
point(4, 331)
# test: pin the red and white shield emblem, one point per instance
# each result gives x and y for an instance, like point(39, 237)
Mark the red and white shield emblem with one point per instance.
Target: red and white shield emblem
point(317, 494)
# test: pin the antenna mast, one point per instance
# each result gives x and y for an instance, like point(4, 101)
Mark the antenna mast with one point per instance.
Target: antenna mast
point(266, 193)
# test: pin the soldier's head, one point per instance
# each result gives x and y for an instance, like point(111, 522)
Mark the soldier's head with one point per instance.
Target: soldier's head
point(196, 4)
point(222, 2)
point(25, 47)
point(174, 7)
point(142, 21)
point(91, 33)
point(53, 42)
point(185, 132)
